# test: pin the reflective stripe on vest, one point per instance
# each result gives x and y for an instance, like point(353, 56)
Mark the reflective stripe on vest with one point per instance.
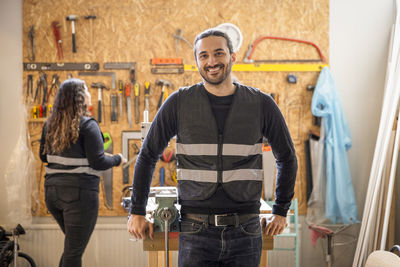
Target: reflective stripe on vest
point(81, 163)
point(227, 176)
point(242, 175)
point(197, 149)
point(86, 170)
point(211, 149)
point(67, 161)
point(197, 175)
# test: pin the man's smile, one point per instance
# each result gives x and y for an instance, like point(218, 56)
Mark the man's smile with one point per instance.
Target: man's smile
point(215, 69)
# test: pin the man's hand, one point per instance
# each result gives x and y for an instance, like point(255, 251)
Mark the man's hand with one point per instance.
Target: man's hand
point(139, 227)
point(275, 225)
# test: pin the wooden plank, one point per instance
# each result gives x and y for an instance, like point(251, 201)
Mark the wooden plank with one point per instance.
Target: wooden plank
point(158, 242)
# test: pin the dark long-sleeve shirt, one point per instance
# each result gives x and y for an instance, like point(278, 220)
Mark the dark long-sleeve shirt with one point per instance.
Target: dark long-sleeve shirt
point(164, 127)
point(90, 145)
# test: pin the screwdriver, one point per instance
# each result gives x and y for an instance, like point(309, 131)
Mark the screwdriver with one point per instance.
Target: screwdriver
point(128, 103)
point(137, 109)
point(121, 91)
point(146, 101)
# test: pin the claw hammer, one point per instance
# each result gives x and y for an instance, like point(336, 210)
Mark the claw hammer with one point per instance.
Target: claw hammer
point(73, 18)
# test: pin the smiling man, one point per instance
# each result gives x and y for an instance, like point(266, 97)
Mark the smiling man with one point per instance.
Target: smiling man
point(220, 126)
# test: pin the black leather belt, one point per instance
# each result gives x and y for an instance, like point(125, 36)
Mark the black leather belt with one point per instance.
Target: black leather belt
point(220, 219)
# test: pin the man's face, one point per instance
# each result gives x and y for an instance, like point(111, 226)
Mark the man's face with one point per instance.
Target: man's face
point(213, 59)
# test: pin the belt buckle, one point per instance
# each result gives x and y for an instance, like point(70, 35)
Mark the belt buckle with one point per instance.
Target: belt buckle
point(216, 219)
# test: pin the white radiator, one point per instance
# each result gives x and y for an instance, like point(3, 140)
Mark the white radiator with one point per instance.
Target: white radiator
point(282, 258)
point(109, 246)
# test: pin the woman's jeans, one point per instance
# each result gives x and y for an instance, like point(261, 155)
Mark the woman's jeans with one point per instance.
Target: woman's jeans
point(75, 210)
point(202, 245)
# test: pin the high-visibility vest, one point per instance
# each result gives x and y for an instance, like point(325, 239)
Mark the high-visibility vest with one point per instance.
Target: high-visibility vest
point(72, 161)
point(206, 158)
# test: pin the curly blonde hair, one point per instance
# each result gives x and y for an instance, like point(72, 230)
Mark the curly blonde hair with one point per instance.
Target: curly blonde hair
point(69, 106)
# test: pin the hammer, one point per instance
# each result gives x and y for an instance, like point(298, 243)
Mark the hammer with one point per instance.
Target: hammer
point(100, 86)
point(163, 83)
point(72, 18)
point(91, 18)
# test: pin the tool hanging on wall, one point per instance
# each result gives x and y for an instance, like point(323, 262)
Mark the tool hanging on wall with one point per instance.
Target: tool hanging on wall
point(128, 103)
point(178, 37)
point(112, 74)
point(162, 176)
point(316, 120)
point(40, 96)
point(100, 86)
point(55, 84)
point(40, 66)
point(291, 78)
point(125, 167)
point(29, 86)
point(72, 18)
point(37, 91)
point(167, 66)
point(253, 46)
point(91, 18)
point(165, 84)
point(108, 174)
point(56, 26)
point(119, 65)
point(120, 96)
point(168, 155)
point(146, 101)
point(234, 33)
point(31, 44)
point(114, 106)
point(137, 103)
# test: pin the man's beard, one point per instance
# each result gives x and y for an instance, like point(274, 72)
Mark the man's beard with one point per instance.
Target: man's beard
point(225, 74)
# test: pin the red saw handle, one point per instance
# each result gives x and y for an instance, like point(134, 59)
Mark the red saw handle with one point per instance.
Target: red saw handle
point(256, 42)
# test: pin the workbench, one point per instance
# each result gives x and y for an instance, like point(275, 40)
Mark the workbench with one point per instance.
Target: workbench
point(156, 247)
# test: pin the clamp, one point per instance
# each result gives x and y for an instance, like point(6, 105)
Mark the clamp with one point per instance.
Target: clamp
point(178, 37)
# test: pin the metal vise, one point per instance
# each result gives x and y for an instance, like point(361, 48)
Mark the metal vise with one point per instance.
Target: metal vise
point(162, 207)
point(166, 216)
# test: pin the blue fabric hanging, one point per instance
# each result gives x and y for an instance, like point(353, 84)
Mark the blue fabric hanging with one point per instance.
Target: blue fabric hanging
point(341, 206)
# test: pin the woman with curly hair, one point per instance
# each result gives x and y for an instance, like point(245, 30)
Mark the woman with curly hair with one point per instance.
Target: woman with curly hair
point(73, 147)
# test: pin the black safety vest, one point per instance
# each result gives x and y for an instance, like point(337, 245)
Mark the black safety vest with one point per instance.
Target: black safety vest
point(206, 158)
point(73, 161)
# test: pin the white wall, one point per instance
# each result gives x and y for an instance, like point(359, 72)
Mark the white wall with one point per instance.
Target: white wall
point(359, 39)
point(359, 34)
point(11, 116)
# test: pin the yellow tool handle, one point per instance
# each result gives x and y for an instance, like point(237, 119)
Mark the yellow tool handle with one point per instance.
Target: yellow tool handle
point(136, 89)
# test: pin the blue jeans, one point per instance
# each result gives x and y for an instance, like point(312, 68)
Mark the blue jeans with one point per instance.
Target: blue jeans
point(75, 210)
point(202, 245)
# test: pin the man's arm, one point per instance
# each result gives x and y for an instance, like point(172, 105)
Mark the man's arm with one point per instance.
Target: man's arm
point(163, 128)
point(278, 136)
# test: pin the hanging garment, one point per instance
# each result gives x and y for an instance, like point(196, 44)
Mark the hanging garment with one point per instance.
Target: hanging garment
point(340, 204)
point(316, 202)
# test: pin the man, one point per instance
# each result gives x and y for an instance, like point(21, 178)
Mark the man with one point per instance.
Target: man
point(219, 126)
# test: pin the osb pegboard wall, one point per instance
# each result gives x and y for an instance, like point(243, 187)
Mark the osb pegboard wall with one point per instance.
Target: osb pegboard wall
point(136, 31)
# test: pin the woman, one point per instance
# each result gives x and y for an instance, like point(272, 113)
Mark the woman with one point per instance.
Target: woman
point(72, 145)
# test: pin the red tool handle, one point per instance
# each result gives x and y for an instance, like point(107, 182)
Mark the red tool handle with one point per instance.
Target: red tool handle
point(40, 111)
point(248, 57)
point(127, 90)
point(55, 25)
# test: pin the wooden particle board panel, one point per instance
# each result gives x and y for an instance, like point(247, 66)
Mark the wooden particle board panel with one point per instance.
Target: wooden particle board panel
point(139, 30)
